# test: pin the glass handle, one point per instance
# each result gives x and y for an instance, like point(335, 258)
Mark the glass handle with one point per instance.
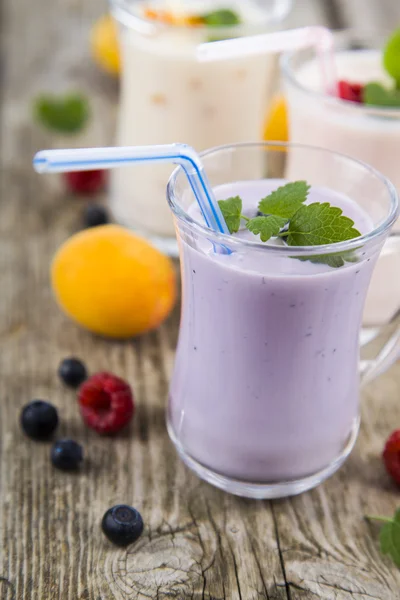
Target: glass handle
point(387, 340)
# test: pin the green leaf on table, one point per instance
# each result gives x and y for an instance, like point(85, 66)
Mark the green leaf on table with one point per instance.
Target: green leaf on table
point(65, 114)
point(223, 17)
point(231, 211)
point(318, 224)
point(390, 541)
point(286, 200)
point(390, 536)
point(375, 94)
point(266, 227)
point(391, 56)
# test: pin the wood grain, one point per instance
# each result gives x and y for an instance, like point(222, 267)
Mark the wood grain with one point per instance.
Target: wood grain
point(198, 542)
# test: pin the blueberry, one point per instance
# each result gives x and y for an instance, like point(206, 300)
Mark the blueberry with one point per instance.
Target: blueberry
point(95, 215)
point(39, 419)
point(66, 455)
point(122, 524)
point(72, 372)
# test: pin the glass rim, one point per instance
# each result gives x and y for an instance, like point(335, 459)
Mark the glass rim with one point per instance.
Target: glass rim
point(293, 251)
point(123, 13)
point(289, 74)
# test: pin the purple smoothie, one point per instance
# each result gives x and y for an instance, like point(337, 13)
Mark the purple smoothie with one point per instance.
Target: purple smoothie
point(266, 383)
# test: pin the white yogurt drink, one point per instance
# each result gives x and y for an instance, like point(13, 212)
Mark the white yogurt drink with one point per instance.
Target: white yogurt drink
point(168, 96)
point(370, 134)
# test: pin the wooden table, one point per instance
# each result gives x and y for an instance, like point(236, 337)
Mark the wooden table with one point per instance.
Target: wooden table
point(198, 542)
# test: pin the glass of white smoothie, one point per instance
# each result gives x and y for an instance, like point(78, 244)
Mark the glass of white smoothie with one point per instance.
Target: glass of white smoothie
point(168, 96)
point(264, 398)
point(369, 133)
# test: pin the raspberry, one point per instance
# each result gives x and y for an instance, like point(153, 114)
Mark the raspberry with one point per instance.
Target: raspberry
point(106, 403)
point(85, 182)
point(350, 91)
point(391, 456)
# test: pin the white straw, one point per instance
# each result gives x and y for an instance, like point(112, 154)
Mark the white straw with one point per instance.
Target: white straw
point(291, 39)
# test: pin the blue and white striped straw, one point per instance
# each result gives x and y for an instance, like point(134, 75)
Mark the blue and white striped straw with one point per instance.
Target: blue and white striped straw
point(85, 159)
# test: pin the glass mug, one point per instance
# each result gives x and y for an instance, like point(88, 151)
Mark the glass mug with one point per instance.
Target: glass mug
point(371, 134)
point(168, 95)
point(264, 397)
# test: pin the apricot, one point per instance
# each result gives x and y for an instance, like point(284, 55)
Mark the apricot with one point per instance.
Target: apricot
point(104, 45)
point(113, 282)
point(276, 123)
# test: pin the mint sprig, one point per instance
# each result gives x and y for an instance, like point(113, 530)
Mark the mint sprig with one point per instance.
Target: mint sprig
point(285, 215)
point(391, 57)
point(220, 37)
point(335, 259)
point(231, 210)
point(374, 94)
point(390, 536)
point(286, 200)
point(64, 114)
point(223, 17)
point(266, 227)
point(318, 224)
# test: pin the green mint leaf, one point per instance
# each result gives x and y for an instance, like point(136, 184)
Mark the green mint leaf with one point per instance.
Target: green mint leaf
point(65, 114)
point(304, 225)
point(221, 18)
point(390, 540)
point(385, 538)
point(266, 227)
point(334, 260)
point(220, 38)
point(319, 224)
point(374, 94)
point(391, 56)
point(286, 200)
point(390, 536)
point(231, 211)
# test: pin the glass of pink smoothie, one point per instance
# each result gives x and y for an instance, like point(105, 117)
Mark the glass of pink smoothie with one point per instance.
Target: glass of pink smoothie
point(264, 398)
point(369, 133)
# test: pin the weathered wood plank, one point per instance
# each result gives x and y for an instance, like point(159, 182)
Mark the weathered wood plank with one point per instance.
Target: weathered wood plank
point(198, 542)
point(330, 550)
